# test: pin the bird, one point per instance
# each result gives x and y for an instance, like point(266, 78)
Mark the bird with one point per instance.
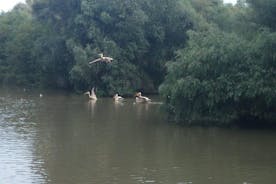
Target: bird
point(40, 95)
point(141, 99)
point(117, 98)
point(102, 59)
point(91, 94)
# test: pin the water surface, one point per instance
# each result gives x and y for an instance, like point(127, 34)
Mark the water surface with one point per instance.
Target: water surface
point(67, 139)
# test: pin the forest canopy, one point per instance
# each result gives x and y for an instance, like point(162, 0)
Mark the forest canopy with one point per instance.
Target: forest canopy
point(208, 60)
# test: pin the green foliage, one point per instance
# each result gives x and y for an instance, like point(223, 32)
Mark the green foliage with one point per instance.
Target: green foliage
point(264, 12)
point(223, 69)
point(227, 70)
point(139, 35)
point(221, 77)
point(16, 60)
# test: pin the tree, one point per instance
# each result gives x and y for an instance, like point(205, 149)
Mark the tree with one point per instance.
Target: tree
point(140, 35)
point(264, 12)
point(16, 59)
point(222, 77)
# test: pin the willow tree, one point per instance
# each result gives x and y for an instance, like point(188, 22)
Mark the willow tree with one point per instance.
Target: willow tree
point(222, 77)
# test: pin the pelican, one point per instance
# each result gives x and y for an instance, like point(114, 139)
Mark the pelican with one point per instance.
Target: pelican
point(102, 59)
point(140, 99)
point(117, 98)
point(91, 94)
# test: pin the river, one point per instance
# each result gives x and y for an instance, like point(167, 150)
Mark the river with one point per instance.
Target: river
point(64, 138)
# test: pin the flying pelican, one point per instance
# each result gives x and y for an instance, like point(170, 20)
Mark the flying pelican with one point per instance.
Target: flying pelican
point(140, 99)
point(117, 98)
point(91, 94)
point(102, 59)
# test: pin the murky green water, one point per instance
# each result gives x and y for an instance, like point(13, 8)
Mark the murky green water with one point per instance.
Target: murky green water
point(66, 139)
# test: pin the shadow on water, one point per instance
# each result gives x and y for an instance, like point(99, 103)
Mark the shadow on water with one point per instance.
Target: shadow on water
point(255, 123)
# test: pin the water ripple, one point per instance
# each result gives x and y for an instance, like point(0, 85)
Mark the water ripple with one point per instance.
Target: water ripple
point(17, 134)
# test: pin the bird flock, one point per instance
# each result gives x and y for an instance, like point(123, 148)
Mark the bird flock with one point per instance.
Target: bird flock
point(117, 98)
point(92, 95)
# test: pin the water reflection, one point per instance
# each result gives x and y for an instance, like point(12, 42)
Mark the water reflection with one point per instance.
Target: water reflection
point(141, 108)
point(17, 134)
point(91, 107)
point(63, 138)
point(117, 104)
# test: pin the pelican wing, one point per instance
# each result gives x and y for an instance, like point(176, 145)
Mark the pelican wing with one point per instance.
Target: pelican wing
point(147, 99)
point(119, 98)
point(87, 93)
point(108, 59)
point(142, 99)
point(94, 61)
point(93, 93)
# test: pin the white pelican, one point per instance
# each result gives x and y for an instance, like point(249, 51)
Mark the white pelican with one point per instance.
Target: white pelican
point(140, 99)
point(117, 98)
point(91, 94)
point(102, 59)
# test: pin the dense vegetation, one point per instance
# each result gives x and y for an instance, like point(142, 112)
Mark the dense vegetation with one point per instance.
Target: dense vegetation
point(211, 61)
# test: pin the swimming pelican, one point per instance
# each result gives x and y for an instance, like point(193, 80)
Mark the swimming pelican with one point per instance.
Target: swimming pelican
point(117, 98)
point(102, 59)
point(140, 99)
point(91, 94)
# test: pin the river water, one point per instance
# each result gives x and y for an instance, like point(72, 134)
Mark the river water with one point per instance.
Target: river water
point(67, 139)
